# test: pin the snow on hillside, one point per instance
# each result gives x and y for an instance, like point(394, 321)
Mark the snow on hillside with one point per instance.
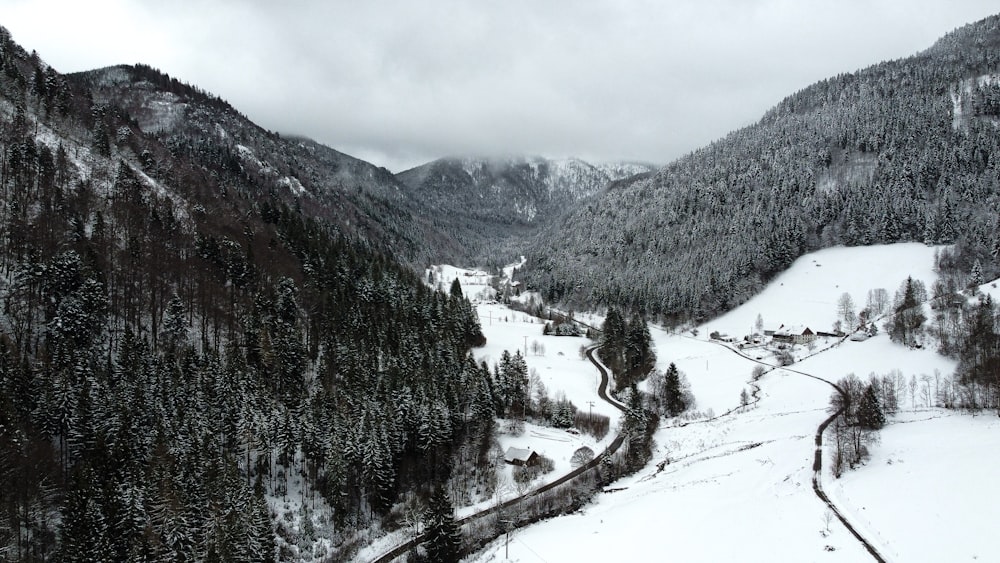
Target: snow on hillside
point(807, 293)
point(731, 489)
point(738, 487)
point(475, 283)
point(89, 166)
point(559, 364)
point(930, 490)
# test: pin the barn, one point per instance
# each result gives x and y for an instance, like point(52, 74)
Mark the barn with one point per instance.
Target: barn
point(520, 456)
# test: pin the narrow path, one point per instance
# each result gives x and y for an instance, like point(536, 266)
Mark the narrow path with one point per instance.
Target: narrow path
point(817, 478)
point(602, 392)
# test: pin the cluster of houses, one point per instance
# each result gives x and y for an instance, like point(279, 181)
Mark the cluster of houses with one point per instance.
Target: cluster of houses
point(794, 334)
point(791, 334)
point(782, 334)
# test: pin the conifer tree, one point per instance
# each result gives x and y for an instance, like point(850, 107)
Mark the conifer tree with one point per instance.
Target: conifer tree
point(976, 277)
point(613, 340)
point(869, 413)
point(175, 324)
point(444, 537)
point(673, 395)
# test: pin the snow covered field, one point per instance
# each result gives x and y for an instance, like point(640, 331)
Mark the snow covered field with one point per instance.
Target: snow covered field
point(738, 487)
point(807, 293)
point(563, 370)
point(930, 491)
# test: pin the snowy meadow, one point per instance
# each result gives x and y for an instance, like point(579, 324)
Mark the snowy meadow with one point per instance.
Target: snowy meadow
point(738, 486)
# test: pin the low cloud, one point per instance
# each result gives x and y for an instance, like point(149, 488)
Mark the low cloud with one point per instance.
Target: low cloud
point(400, 83)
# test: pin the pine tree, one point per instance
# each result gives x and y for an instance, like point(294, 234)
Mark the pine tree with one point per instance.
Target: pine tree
point(443, 536)
point(175, 324)
point(976, 277)
point(613, 340)
point(84, 527)
point(909, 313)
point(639, 356)
point(673, 396)
point(870, 414)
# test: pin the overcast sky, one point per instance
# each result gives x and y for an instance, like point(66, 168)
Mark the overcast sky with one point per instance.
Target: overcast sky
point(400, 83)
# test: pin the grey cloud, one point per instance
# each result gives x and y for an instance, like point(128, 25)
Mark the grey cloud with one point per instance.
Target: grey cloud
point(404, 82)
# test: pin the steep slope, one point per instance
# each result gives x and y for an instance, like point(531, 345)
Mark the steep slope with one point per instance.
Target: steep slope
point(186, 333)
point(364, 201)
point(488, 201)
point(902, 151)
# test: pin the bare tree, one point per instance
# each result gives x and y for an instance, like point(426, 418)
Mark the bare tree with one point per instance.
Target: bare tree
point(581, 456)
point(925, 390)
point(878, 301)
point(827, 520)
point(845, 310)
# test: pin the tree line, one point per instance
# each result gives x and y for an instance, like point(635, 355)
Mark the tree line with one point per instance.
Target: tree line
point(180, 345)
point(901, 151)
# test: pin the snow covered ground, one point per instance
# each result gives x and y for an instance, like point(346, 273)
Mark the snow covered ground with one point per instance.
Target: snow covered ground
point(562, 368)
point(930, 491)
point(807, 293)
point(475, 283)
point(738, 487)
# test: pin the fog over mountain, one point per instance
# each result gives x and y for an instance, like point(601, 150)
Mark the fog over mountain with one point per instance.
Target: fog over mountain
point(401, 84)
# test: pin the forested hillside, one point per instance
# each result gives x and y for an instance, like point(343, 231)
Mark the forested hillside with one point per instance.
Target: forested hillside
point(359, 199)
point(906, 150)
point(181, 339)
point(493, 205)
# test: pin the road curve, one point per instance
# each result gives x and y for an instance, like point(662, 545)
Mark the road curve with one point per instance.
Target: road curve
point(817, 481)
point(602, 391)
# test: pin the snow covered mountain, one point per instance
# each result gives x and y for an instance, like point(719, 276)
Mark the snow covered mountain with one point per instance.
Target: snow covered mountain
point(486, 201)
point(518, 191)
point(904, 150)
point(363, 200)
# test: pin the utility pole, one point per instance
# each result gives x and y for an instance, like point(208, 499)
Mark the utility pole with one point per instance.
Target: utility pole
point(590, 412)
point(506, 544)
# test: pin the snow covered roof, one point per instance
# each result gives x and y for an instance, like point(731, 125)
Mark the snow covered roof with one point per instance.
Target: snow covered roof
point(793, 330)
point(517, 454)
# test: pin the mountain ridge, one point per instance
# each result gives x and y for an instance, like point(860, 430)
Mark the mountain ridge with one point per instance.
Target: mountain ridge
point(874, 156)
point(495, 204)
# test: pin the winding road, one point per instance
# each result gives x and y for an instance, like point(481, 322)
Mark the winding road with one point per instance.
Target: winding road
point(602, 392)
point(817, 478)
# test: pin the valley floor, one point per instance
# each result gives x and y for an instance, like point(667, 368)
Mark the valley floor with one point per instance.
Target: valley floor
point(930, 490)
point(734, 488)
point(738, 487)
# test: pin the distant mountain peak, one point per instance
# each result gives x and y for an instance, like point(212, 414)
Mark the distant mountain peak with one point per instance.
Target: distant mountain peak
point(482, 200)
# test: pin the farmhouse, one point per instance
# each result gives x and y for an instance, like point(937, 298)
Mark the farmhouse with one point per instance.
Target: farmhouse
point(520, 456)
point(794, 335)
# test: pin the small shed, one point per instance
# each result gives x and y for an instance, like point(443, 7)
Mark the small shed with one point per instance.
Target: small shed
point(859, 336)
point(520, 456)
